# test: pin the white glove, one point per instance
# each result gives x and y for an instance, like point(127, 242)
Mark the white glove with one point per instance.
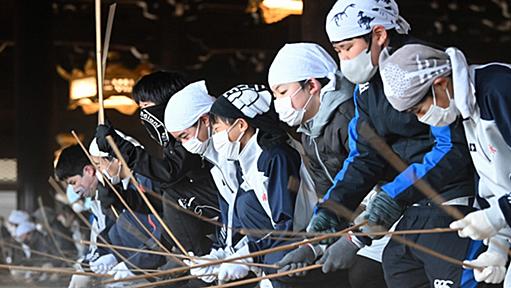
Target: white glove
point(103, 264)
point(494, 268)
point(480, 224)
point(212, 270)
point(120, 271)
point(79, 281)
point(493, 262)
point(230, 271)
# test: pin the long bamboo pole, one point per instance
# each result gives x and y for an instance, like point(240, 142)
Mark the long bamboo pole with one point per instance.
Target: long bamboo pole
point(144, 197)
point(123, 202)
point(251, 255)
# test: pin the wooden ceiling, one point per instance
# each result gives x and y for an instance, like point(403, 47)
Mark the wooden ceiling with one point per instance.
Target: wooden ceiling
point(219, 41)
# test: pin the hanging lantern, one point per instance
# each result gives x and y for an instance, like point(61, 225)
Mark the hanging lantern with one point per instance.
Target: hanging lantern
point(275, 10)
point(117, 87)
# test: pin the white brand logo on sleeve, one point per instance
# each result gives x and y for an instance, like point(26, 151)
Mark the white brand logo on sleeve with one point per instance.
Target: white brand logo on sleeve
point(442, 283)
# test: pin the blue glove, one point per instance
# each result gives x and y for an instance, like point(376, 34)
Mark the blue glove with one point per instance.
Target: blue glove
point(383, 210)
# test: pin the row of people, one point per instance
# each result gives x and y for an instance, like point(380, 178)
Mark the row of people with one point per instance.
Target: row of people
point(373, 142)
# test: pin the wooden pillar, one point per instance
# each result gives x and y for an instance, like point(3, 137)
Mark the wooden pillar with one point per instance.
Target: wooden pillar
point(313, 22)
point(34, 72)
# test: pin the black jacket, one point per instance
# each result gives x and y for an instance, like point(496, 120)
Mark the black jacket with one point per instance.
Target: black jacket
point(174, 173)
point(438, 155)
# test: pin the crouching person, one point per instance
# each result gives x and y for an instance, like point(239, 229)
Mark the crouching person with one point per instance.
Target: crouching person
point(276, 192)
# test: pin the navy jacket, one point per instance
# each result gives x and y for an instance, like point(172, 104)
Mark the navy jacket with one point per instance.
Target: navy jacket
point(438, 155)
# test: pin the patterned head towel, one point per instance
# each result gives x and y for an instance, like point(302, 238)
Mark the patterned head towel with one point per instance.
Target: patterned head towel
point(409, 72)
point(354, 18)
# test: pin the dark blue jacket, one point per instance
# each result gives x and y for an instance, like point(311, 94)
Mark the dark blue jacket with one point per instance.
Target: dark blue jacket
point(438, 155)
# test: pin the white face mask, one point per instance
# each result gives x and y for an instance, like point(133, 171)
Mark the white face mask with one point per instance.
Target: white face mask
point(116, 179)
point(224, 147)
point(196, 146)
point(288, 114)
point(438, 116)
point(359, 69)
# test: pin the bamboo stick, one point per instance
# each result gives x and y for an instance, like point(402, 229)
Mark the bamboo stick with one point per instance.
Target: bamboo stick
point(144, 197)
point(261, 265)
point(251, 255)
point(270, 276)
point(53, 270)
point(169, 281)
point(99, 68)
point(121, 199)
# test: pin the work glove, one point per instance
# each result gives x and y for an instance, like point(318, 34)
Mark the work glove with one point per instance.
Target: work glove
point(212, 270)
point(79, 281)
point(106, 129)
point(383, 211)
point(303, 256)
point(120, 271)
point(493, 262)
point(480, 224)
point(324, 222)
point(368, 228)
point(103, 264)
point(233, 271)
point(339, 255)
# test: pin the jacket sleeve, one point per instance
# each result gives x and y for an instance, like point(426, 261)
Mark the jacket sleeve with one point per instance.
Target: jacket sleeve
point(175, 164)
point(363, 167)
point(447, 164)
point(493, 86)
point(282, 171)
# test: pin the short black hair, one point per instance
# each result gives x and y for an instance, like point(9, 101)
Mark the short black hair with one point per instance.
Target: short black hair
point(158, 87)
point(215, 118)
point(71, 162)
point(323, 81)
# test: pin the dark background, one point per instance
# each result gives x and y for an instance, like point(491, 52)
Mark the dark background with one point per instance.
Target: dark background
point(216, 40)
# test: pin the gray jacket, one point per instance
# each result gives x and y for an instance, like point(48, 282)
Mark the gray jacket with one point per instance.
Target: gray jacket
point(325, 137)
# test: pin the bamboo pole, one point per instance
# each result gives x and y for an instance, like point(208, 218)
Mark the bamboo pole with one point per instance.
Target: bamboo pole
point(121, 199)
point(388, 154)
point(47, 225)
point(270, 276)
point(251, 255)
point(169, 281)
point(99, 73)
point(108, 34)
point(53, 270)
point(260, 265)
point(144, 197)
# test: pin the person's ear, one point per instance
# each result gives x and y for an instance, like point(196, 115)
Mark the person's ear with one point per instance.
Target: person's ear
point(205, 120)
point(380, 35)
point(314, 86)
point(88, 170)
point(441, 82)
point(440, 85)
point(242, 124)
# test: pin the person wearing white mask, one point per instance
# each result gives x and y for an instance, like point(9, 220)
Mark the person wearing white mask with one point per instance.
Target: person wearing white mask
point(183, 177)
point(442, 90)
point(311, 92)
point(276, 191)
point(359, 31)
point(187, 119)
